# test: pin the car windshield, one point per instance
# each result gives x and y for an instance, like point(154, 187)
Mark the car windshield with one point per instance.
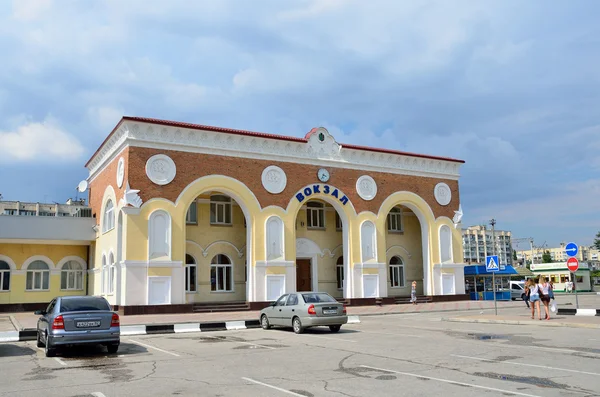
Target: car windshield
point(83, 305)
point(317, 298)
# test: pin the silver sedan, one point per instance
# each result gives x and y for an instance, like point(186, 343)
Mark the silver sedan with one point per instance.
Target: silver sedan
point(78, 320)
point(301, 310)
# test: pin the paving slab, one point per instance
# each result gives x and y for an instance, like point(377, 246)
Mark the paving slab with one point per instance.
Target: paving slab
point(6, 324)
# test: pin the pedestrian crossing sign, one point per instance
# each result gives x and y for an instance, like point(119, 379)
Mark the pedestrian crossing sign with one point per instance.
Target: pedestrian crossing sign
point(491, 263)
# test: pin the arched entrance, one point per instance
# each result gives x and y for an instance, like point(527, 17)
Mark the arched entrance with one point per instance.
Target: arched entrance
point(322, 234)
point(406, 221)
point(217, 234)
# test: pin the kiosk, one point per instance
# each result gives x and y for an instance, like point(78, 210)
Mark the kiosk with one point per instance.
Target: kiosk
point(478, 283)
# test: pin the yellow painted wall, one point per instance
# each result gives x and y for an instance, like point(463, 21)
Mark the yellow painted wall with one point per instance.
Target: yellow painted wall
point(19, 253)
point(408, 246)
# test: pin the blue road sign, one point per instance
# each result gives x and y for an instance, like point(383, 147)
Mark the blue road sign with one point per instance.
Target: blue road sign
point(491, 263)
point(571, 249)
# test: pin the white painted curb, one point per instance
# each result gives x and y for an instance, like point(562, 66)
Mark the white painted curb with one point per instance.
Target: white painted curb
point(233, 325)
point(586, 312)
point(353, 320)
point(186, 327)
point(133, 330)
point(9, 336)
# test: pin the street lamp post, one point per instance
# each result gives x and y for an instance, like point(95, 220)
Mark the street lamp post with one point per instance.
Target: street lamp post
point(493, 223)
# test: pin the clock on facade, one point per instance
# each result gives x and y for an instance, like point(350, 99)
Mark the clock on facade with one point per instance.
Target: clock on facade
point(323, 175)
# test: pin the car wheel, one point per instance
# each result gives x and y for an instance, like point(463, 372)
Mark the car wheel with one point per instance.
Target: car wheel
point(39, 339)
point(297, 324)
point(50, 351)
point(513, 299)
point(264, 322)
point(112, 349)
point(334, 328)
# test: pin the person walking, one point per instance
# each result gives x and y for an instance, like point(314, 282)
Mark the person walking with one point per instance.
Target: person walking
point(534, 297)
point(526, 297)
point(413, 293)
point(545, 296)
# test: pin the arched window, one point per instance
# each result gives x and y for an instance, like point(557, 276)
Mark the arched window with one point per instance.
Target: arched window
point(275, 238)
point(368, 241)
point(221, 274)
point(340, 272)
point(190, 274)
point(108, 220)
point(397, 272)
point(446, 244)
point(220, 210)
point(111, 274)
point(394, 220)
point(4, 276)
point(315, 215)
point(38, 276)
point(159, 227)
point(71, 276)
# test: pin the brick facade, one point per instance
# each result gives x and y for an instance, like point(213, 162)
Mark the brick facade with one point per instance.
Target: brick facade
point(191, 166)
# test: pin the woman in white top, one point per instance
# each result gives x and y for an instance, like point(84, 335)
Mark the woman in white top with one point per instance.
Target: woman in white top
point(545, 295)
point(534, 297)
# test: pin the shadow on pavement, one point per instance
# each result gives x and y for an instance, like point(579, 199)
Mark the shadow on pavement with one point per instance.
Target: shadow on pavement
point(10, 350)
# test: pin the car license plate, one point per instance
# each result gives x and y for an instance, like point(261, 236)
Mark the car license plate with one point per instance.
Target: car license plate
point(329, 311)
point(87, 324)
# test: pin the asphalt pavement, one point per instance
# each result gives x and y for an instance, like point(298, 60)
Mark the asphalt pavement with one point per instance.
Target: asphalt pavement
point(415, 354)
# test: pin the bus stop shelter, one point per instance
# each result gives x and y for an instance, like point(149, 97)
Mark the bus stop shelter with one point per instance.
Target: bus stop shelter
point(478, 283)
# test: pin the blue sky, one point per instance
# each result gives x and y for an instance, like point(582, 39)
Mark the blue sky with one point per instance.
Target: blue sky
point(511, 87)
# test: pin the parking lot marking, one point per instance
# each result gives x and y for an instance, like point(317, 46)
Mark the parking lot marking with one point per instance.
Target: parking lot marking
point(61, 362)
point(256, 344)
point(450, 381)
point(392, 334)
point(153, 347)
point(98, 394)
point(291, 393)
point(325, 337)
point(527, 365)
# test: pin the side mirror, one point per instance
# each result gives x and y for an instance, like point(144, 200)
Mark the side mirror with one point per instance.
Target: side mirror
point(272, 304)
point(40, 312)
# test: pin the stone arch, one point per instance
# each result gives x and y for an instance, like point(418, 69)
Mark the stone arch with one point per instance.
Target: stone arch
point(9, 261)
point(426, 219)
point(42, 258)
point(109, 194)
point(69, 258)
point(445, 242)
point(347, 214)
point(243, 196)
point(368, 241)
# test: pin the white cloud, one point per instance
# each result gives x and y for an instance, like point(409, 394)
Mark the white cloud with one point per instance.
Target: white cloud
point(28, 10)
point(39, 142)
point(105, 117)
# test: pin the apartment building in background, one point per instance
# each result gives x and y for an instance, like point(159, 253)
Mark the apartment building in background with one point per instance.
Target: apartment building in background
point(587, 254)
point(478, 243)
point(76, 208)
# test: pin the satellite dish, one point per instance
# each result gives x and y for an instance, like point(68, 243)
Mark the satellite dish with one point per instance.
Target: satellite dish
point(82, 187)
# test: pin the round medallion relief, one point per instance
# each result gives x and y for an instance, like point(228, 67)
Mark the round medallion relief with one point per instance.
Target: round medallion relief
point(442, 193)
point(160, 169)
point(274, 179)
point(366, 187)
point(120, 172)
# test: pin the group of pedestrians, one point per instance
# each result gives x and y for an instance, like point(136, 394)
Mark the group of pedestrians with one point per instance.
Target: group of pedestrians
point(536, 291)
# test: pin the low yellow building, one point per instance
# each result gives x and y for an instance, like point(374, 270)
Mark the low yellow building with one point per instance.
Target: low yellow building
point(42, 257)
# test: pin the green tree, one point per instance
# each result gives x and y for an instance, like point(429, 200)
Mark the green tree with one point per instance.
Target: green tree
point(514, 255)
point(546, 257)
point(597, 241)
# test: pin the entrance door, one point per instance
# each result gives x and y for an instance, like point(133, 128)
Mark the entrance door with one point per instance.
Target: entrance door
point(303, 276)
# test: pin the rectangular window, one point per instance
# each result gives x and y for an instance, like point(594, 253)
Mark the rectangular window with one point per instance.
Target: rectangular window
point(340, 277)
point(192, 214)
point(10, 212)
point(220, 213)
point(37, 280)
point(315, 218)
point(4, 280)
point(395, 221)
point(221, 278)
point(397, 276)
point(190, 278)
point(338, 222)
